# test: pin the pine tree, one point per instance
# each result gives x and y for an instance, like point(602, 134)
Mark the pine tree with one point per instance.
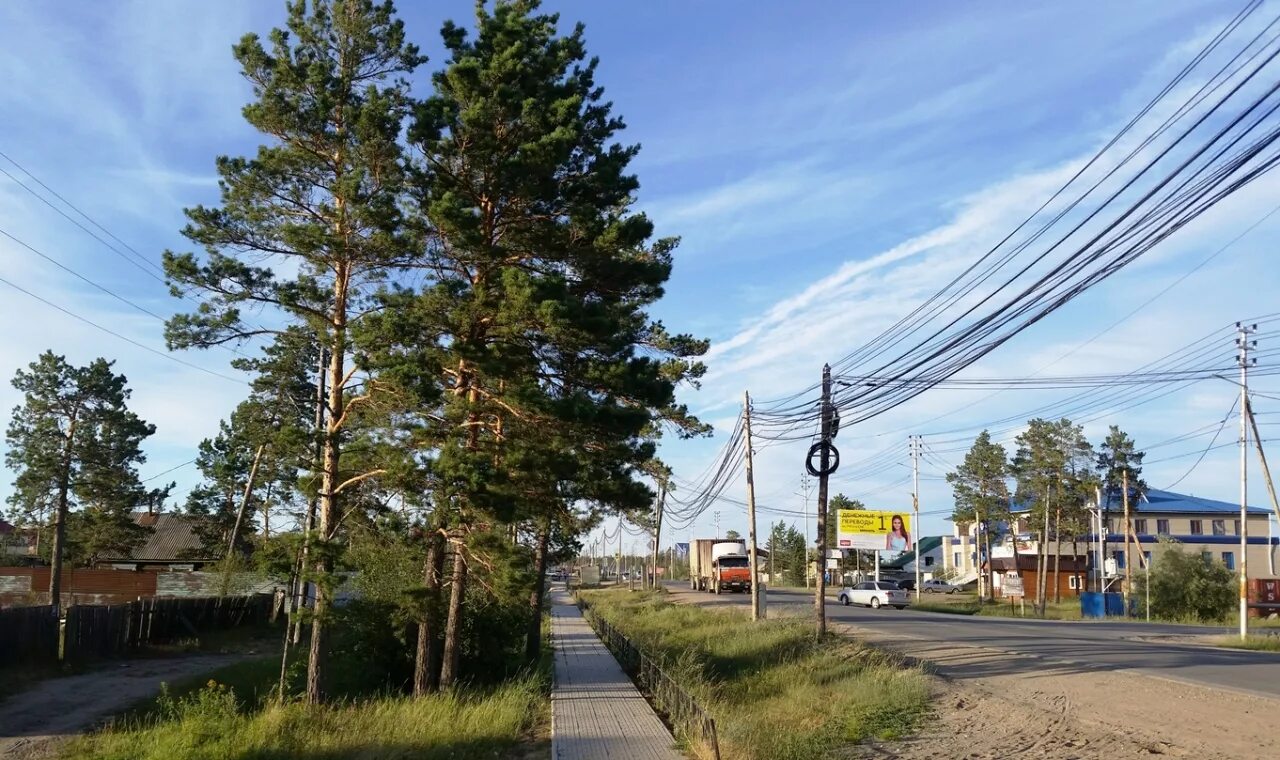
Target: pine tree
point(74, 444)
point(981, 491)
point(1120, 462)
point(557, 381)
point(323, 200)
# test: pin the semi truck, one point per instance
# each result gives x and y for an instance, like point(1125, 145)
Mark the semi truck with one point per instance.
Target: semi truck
point(719, 564)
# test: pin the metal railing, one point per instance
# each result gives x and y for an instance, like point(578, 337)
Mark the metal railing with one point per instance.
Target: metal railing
point(679, 707)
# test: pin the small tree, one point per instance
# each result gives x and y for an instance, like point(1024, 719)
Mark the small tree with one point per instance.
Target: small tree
point(980, 488)
point(73, 443)
point(1185, 585)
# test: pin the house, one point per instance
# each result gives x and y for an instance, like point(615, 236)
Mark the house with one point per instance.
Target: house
point(1071, 573)
point(16, 543)
point(173, 544)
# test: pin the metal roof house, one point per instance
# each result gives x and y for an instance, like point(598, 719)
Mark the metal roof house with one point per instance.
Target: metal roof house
point(172, 544)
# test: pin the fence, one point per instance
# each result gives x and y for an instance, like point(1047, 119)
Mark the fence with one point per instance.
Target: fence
point(110, 630)
point(28, 635)
point(677, 704)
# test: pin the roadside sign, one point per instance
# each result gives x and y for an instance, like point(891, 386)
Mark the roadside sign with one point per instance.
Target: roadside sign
point(1011, 585)
point(876, 531)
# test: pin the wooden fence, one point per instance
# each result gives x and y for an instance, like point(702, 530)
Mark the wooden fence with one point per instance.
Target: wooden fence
point(28, 635)
point(96, 631)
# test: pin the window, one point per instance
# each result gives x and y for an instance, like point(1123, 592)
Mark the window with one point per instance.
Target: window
point(1206, 556)
point(1197, 527)
point(955, 559)
point(1119, 558)
point(1229, 559)
point(1219, 527)
point(1162, 527)
point(1140, 527)
point(1147, 557)
point(1073, 583)
point(1237, 527)
point(1111, 525)
point(928, 561)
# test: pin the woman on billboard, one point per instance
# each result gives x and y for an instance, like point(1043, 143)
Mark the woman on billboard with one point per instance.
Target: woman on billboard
point(897, 539)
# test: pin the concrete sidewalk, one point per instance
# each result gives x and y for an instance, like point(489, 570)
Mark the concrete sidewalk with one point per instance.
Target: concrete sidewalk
point(596, 712)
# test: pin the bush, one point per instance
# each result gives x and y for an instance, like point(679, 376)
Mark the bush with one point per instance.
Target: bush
point(1186, 586)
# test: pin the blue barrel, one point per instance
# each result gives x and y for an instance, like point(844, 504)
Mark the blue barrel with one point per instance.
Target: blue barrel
point(1091, 605)
point(1115, 604)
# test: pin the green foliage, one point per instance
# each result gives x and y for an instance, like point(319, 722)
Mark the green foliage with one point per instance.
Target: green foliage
point(773, 690)
point(74, 445)
point(213, 724)
point(1186, 586)
point(1118, 457)
point(1054, 470)
point(787, 554)
point(980, 484)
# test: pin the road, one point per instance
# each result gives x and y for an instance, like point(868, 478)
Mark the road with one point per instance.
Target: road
point(1033, 644)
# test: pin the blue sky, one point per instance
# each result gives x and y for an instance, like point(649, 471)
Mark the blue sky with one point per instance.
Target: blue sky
point(864, 147)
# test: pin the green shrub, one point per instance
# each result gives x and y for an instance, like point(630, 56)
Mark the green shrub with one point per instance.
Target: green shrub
point(1186, 586)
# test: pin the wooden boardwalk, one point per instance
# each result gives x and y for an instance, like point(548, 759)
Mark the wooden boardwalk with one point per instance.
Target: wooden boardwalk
point(596, 712)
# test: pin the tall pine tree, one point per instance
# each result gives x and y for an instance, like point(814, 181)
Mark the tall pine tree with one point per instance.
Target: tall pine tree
point(981, 491)
point(74, 445)
point(557, 380)
point(322, 200)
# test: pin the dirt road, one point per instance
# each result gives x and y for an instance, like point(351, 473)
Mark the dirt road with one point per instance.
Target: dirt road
point(985, 707)
point(33, 722)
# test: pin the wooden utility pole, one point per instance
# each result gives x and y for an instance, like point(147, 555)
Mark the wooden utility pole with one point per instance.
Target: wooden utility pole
point(751, 512)
point(657, 528)
point(824, 473)
point(1271, 486)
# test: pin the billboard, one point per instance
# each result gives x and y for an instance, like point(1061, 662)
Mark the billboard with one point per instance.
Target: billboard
point(869, 530)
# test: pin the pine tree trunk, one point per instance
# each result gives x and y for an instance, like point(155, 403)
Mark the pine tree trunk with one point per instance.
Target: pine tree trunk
point(1057, 555)
point(60, 520)
point(533, 639)
point(990, 580)
point(426, 677)
point(328, 505)
point(453, 627)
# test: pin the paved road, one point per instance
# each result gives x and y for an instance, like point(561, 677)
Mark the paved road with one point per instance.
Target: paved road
point(1072, 645)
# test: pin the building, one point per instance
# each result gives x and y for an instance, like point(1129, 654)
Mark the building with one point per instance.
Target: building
point(173, 544)
point(1071, 574)
point(904, 565)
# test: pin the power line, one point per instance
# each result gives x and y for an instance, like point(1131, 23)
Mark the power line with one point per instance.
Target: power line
point(114, 334)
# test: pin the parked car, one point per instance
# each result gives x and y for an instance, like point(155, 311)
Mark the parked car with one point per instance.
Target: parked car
point(908, 584)
point(874, 594)
point(938, 587)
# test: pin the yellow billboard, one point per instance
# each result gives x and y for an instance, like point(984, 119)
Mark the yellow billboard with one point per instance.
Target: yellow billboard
point(871, 530)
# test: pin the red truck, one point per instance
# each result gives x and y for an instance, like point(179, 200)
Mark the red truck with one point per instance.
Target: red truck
point(719, 564)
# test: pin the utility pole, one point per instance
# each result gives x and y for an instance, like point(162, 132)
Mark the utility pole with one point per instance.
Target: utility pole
point(804, 486)
point(657, 529)
point(1128, 560)
point(1243, 344)
point(915, 505)
point(617, 570)
point(826, 466)
point(751, 513)
point(716, 515)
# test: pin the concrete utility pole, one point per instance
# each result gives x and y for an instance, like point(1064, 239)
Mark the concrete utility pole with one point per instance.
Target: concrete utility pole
point(1128, 560)
point(823, 472)
point(915, 505)
point(657, 529)
point(1243, 344)
point(804, 486)
point(618, 565)
point(751, 512)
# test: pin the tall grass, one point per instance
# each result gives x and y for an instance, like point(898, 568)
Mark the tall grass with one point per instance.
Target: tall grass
point(211, 724)
point(773, 689)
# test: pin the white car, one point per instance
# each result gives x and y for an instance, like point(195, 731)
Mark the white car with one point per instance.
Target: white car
point(938, 587)
point(874, 594)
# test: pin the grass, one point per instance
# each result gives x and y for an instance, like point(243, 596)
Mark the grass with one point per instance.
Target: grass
point(774, 691)
point(231, 713)
point(1265, 643)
